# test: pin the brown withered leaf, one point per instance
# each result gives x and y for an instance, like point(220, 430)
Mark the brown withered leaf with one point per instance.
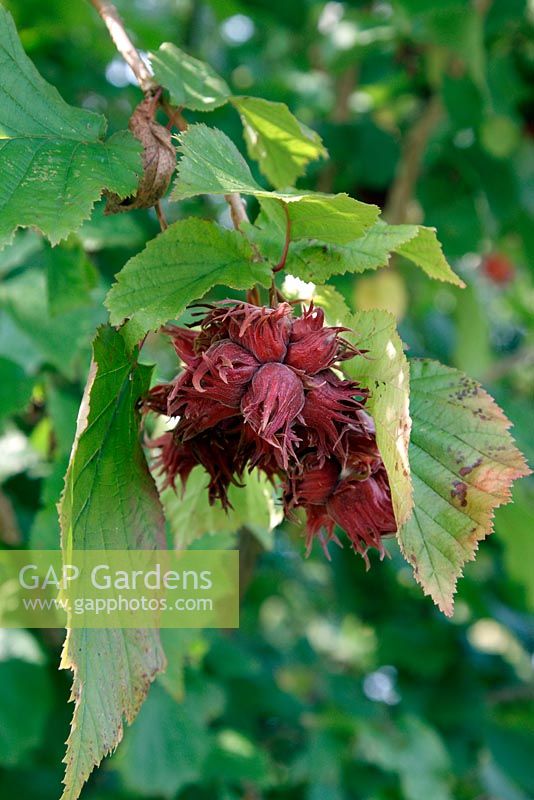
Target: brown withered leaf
point(159, 160)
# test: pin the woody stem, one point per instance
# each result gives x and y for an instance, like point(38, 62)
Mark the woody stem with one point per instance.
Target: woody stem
point(283, 258)
point(146, 82)
point(124, 44)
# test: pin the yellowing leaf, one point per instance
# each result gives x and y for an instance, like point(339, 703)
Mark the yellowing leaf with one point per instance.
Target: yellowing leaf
point(384, 370)
point(463, 462)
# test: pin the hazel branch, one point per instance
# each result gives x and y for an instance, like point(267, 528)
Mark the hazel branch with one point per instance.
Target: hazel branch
point(124, 44)
point(403, 187)
point(237, 209)
point(131, 55)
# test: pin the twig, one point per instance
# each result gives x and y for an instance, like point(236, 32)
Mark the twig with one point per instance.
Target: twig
point(511, 694)
point(253, 296)
point(402, 189)
point(276, 296)
point(283, 258)
point(345, 85)
point(124, 44)
point(131, 55)
point(176, 118)
point(161, 216)
point(237, 209)
point(500, 369)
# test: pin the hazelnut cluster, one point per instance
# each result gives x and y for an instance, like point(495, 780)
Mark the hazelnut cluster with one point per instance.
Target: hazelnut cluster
point(259, 390)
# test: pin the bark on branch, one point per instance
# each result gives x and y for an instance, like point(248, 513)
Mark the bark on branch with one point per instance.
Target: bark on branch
point(403, 187)
point(124, 44)
point(131, 55)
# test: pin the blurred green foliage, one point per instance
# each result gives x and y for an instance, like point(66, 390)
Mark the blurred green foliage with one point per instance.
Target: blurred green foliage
point(340, 683)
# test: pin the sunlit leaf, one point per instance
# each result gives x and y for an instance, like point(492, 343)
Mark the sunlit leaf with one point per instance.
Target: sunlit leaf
point(281, 144)
point(334, 218)
point(191, 83)
point(425, 251)
point(383, 368)
point(179, 266)
point(212, 164)
point(371, 251)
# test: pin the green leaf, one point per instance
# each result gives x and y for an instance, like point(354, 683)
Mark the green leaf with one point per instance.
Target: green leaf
point(102, 232)
point(384, 370)
point(110, 502)
point(281, 144)
point(191, 83)
point(425, 251)
point(463, 462)
point(26, 698)
point(190, 516)
point(25, 245)
point(70, 277)
point(179, 266)
point(514, 525)
point(60, 340)
point(331, 218)
point(413, 750)
point(212, 164)
point(240, 759)
point(473, 351)
point(53, 159)
point(371, 251)
point(15, 387)
point(182, 647)
point(165, 748)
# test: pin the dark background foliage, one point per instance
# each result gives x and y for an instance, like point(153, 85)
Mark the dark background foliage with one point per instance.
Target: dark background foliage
point(340, 683)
